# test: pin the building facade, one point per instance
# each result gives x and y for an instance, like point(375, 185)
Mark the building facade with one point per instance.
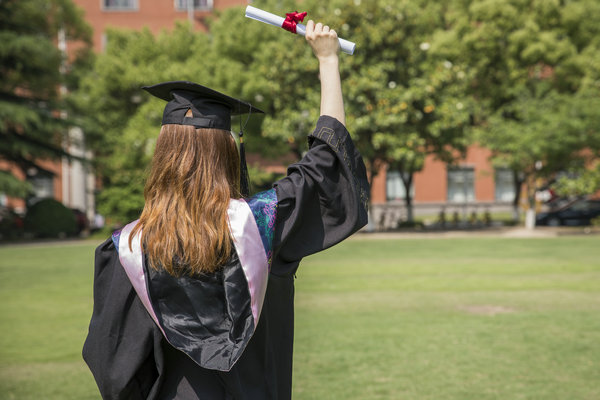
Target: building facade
point(469, 188)
point(155, 15)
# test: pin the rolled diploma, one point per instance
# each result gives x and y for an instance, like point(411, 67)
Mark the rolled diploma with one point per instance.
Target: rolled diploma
point(272, 19)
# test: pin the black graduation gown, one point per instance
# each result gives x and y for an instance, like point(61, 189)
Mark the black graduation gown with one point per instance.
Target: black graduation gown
point(322, 201)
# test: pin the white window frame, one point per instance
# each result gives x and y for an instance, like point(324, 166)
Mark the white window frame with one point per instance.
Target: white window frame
point(42, 184)
point(463, 176)
point(504, 185)
point(394, 187)
point(133, 6)
point(181, 5)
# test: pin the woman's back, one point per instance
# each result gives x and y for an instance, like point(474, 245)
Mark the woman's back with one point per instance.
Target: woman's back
point(225, 332)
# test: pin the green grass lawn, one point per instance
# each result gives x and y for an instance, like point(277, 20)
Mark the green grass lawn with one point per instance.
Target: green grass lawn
point(477, 318)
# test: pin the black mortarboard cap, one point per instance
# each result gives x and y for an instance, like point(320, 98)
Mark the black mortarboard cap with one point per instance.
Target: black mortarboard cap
point(210, 109)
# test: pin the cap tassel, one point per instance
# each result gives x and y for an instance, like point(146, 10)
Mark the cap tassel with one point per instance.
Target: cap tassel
point(244, 178)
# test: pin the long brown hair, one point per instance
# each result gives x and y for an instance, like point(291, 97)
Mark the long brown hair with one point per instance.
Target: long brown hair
point(184, 225)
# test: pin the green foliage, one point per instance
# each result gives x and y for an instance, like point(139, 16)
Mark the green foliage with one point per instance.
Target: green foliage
point(523, 72)
point(49, 218)
point(546, 128)
point(123, 121)
point(404, 98)
point(260, 179)
point(30, 127)
point(12, 186)
point(270, 68)
point(578, 183)
point(535, 73)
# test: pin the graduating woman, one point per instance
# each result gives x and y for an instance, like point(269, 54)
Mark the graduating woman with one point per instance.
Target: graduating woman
point(195, 299)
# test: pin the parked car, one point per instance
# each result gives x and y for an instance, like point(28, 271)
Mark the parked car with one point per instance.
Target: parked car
point(11, 224)
point(575, 213)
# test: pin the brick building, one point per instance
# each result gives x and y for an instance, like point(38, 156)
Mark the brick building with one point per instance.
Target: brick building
point(153, 14)
point(471, 185)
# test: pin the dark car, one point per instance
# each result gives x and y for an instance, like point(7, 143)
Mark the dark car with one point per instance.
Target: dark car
point(575, 213)
point(81, 219)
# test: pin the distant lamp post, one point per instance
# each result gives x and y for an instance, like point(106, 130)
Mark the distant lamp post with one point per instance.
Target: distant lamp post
point(532, 201)
point(538, 165)
point(136, 99)
point(190, 11)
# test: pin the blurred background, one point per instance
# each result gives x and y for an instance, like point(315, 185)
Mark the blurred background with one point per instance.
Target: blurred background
point(469, 113)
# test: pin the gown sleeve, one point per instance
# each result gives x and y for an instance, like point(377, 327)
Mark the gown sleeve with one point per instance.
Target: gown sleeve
point(123, 346)
point(323, 199)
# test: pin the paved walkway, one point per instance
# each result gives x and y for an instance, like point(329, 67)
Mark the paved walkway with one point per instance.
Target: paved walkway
point(504, 232)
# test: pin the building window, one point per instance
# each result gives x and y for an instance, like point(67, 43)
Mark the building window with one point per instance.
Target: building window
point(504, 182)
point(461, 185)
point(394, 187)
point(42, 184)
point(119, 5)
point(182, 5)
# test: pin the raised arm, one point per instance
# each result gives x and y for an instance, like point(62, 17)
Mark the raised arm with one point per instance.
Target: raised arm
point(324, 197)
point(325, 45)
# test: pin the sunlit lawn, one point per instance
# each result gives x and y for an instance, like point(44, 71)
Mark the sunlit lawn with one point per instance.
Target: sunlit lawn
point(456, 319)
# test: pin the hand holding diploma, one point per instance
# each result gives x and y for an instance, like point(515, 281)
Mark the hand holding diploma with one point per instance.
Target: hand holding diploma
point(290, 23)
point(325, 45)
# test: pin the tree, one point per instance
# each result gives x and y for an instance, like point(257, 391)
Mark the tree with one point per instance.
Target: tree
point(30, 76)
point(547, 135)
point(530, 73)
point(579, 183)
point(403, 99)
point(122, 121)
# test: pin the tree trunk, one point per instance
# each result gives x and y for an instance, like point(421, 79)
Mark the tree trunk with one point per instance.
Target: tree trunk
point(530, 218)
point(518, 185)
point(407, 178)
point(373, 170)
point(530, 215)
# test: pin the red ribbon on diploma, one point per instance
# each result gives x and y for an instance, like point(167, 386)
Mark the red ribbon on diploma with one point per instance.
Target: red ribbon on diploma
point(291, 19)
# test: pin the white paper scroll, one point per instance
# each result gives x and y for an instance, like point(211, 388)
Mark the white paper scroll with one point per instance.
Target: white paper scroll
point(272, 19)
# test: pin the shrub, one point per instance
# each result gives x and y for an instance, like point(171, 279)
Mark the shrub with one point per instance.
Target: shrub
point(261, 179)
point(49, 218)
point(11, 224)
point(410, 225)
